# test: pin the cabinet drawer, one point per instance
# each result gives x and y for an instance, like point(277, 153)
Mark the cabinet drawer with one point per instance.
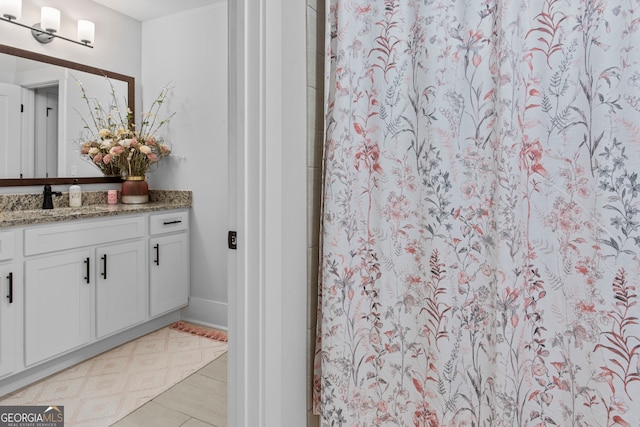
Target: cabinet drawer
point(168, 222)
point(7, 245)
point(78, 234)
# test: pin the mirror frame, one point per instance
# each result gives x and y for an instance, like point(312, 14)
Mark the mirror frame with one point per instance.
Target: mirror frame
point(12, 182)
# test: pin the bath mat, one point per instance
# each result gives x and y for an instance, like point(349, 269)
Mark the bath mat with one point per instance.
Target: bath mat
point(107, 387)
point(200, 331)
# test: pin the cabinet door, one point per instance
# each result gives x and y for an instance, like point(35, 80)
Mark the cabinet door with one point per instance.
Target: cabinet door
point(58, 295)
point(169, 276)
point(9, 304)
point(120, 287)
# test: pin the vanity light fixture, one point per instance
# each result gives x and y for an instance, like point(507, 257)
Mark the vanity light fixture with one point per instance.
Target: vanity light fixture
point(46, 30)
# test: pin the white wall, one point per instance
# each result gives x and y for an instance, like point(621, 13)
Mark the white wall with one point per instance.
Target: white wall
point(189, 50)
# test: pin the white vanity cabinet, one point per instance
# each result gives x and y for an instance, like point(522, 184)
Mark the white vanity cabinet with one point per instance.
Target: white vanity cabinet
point(74, 288)
point(169, 262)
point(10, 299)
point(121, 287)
point(57, 304)
point(69, 294)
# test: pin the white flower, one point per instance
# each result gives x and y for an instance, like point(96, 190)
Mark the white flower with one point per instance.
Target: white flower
point(103, 133)
point(106, 143)
point(144, 149)
point(94, 150)
point(126, 143)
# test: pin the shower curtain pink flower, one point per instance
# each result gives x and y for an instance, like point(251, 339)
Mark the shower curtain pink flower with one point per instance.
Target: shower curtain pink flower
point(481, 224)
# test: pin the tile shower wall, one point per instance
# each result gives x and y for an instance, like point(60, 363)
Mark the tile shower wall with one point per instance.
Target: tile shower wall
point(315, 132)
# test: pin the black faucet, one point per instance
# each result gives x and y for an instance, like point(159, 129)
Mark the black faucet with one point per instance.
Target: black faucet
point(48, 201)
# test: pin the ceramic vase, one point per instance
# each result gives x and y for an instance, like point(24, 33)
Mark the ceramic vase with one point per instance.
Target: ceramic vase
point(135, 190)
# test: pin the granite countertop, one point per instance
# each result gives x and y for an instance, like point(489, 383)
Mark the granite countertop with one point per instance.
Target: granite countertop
point(26, 209)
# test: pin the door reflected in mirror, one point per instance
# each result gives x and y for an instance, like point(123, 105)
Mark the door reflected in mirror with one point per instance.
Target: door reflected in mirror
point(39, 156)
point(51, 123)
point(43, 116)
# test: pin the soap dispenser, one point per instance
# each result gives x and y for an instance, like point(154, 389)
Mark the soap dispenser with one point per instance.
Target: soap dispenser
point(75, 195)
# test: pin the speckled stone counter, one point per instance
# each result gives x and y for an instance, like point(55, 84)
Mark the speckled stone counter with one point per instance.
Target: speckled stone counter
point(26, 209)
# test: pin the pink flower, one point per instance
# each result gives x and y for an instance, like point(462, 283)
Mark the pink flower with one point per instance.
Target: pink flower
point(374, 338)
point(586, 307)
point(546, 398)
point(583, 192)
point(606, 375)
point(463, 278)
point(97, 158)
point(107, 159)
point(152, 157)
point(539, 369)
point(486, 269)
point(116, 150)
point(414, 280)
point(514, 320)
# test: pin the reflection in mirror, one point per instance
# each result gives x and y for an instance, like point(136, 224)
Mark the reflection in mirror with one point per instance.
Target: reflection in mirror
point(78, 117)
point(42, 113)
point(52, 110)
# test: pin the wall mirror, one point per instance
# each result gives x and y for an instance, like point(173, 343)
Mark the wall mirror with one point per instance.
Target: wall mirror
point(41, 113)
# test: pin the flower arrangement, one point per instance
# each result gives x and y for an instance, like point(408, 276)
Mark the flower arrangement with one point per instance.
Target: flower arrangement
point(114, 144)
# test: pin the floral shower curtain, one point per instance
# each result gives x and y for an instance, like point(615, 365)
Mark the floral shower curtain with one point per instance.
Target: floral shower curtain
point(481, 224)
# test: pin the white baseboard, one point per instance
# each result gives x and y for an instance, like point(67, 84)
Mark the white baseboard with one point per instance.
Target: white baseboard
point(206, 312)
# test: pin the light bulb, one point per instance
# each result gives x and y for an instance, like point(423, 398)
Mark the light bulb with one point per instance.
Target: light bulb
point(11, 9)
point(50, 19)
point(86, 31)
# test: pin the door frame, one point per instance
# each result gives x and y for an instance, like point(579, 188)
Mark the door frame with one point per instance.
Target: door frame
point(267, 374)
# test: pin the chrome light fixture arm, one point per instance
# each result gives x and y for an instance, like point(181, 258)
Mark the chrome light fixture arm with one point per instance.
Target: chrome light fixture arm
point(42, 35)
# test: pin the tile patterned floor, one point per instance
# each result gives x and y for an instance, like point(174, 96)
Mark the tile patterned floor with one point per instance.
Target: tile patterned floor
point(200, 400)
point(101, 390)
